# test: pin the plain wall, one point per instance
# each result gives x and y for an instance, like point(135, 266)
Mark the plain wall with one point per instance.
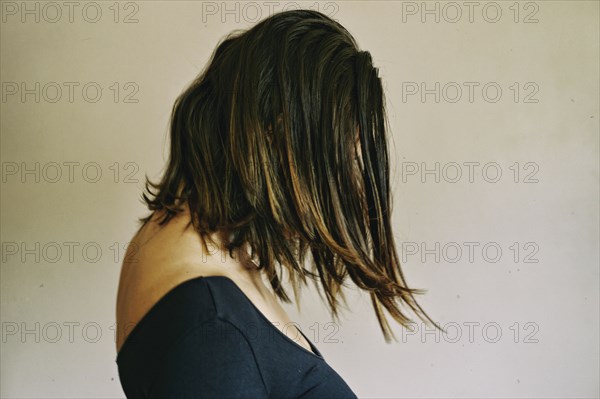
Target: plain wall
point(521, 308)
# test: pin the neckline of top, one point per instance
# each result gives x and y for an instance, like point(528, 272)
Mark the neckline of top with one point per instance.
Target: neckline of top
point(315, 352)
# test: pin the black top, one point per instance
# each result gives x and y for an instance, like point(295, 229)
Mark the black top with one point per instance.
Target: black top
point(206, 339)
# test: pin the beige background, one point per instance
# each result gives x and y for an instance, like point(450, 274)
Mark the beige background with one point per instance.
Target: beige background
point(545, 311)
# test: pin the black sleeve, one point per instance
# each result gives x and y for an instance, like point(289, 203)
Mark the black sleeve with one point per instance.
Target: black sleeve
point(213, 360)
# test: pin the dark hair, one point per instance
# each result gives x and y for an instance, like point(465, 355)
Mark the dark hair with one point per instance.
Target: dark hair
point(264, 145)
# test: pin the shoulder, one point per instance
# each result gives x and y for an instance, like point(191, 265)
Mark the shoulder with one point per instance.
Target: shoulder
point(214, 359)
point(197, 352)
point(158, 259)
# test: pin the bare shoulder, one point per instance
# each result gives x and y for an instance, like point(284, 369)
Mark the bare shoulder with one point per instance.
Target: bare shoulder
point(162, 257)
point(156, 261)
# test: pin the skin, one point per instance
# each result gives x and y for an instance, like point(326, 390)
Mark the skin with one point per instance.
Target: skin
point(161, 257)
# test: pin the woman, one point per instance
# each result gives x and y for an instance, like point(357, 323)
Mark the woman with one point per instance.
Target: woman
point(278, 150)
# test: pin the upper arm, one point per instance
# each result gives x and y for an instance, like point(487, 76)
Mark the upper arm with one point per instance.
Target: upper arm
point(213, 360)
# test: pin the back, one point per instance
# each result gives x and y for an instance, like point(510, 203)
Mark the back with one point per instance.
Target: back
point(205, 338)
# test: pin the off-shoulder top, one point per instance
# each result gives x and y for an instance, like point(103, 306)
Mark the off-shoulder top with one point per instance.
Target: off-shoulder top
point(206, 339)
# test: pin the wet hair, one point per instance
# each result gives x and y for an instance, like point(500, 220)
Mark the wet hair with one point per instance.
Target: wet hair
point(281, 141)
